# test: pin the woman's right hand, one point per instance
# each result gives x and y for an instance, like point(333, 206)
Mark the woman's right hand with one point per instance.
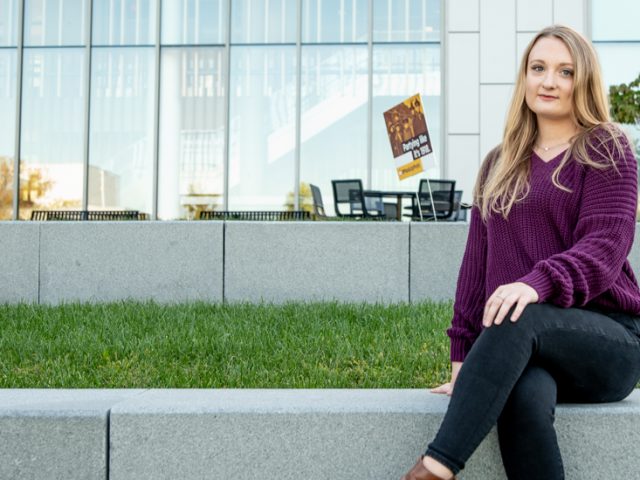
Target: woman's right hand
point(447, 388)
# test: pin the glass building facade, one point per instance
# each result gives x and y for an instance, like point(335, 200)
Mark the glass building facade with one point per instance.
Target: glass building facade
point(173, 106)
point(170, 107)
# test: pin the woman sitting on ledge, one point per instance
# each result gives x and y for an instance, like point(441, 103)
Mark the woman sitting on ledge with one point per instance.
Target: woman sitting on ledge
point(547, 306)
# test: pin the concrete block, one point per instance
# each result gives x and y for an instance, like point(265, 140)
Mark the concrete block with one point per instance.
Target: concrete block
point(463, 162)
point(436, 256)
point(56, 434)
point(494, 107)
point(463, 15)
point(111, 261)
point(337, 434)
point(534, 15)
point(312, 261)
point(522, 41)
point(497, 41)
point(19, 272)
point(571, 13)
point(463, 93)
point(634, 254)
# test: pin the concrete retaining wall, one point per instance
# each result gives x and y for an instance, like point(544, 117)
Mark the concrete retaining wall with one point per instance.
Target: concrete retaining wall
point(233, 261)
point(273, 434)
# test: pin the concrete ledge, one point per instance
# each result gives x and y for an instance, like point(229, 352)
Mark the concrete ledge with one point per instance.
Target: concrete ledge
point(19, 243)
point(279, 434)
point(110, 261)
point(235, 261)
point(436, 256)
point(56, 434)
point(309, 261)
point(337, 434)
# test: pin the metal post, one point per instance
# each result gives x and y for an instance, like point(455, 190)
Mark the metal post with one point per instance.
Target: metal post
point(18, 127)
point(156, 114)
point(87, 105)
point(227, 108)
point(298, 146)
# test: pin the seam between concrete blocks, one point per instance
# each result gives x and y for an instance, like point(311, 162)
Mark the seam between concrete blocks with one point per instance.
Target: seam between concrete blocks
point(108, 445)
point(409, 266)
point(224, 261)
point(39, 261)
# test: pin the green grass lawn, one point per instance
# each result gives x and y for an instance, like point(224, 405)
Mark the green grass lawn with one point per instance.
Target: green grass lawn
point(199, 345)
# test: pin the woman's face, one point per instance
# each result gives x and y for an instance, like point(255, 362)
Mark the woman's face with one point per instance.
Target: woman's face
point(549, 79)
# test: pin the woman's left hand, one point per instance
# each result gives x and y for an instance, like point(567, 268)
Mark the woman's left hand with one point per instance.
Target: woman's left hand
point(505, 297)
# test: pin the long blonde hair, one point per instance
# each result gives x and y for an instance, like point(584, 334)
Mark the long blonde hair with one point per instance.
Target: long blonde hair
point(504, 181)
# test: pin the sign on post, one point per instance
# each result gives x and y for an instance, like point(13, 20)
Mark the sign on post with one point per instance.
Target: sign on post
point(408, 135)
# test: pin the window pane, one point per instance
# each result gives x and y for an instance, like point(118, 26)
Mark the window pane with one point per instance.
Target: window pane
point(121, 151)
point(335, 21)
point(263, 21)
point(400, 71)
point(8, 23)
point(615, 20)
point(51, 162)
point(124, 22)
point(406, 20)
point(191, 176)
point(193, 22)
point(7, 132)
point(262, 127)
point(54, 22)
point(619, 62)
point(334, 113)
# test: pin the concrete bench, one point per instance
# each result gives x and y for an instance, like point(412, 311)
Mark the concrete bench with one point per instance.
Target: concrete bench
point(272, 434)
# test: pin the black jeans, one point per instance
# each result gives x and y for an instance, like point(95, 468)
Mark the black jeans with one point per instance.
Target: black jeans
point(516, 372)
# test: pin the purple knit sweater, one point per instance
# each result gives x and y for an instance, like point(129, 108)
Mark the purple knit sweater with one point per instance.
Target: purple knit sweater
point(570, 247)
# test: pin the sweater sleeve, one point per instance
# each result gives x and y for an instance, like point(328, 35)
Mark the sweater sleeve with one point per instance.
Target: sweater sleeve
point(602, 238)
point(468, 306)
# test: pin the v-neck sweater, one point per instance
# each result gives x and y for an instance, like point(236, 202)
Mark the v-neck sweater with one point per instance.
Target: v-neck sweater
point(571, 247)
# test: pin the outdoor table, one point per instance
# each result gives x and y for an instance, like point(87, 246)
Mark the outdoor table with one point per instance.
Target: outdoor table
point(399, 195)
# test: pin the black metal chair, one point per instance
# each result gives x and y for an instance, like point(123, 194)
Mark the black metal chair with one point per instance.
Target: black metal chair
point(443, 192)
point(318, 205)
point(460, 208)
point(374, 202)
point(349, 194)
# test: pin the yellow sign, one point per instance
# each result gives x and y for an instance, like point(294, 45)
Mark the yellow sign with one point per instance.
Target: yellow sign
point(410, 169)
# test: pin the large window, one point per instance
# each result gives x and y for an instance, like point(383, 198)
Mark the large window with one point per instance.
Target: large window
point(7, 132)
point(616, 37)
point(192, 132)
point(52, 132)
point(171, 107)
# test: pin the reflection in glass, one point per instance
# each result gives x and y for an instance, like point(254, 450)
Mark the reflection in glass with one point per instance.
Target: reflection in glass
point(406, 20)
point(191, 174)
point(400, 71)
point(334, 116)
point(124, 22)
point(51, 162)
point(260, 21)
point(7, 132)
point(262, 127)
point(121, 150)
point(335, 21)
point(615, 20)
point(8, 23)
point(54, 22)
point(193, 22)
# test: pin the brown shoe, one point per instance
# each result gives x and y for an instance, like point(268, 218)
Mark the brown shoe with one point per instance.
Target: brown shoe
point(420, 472)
